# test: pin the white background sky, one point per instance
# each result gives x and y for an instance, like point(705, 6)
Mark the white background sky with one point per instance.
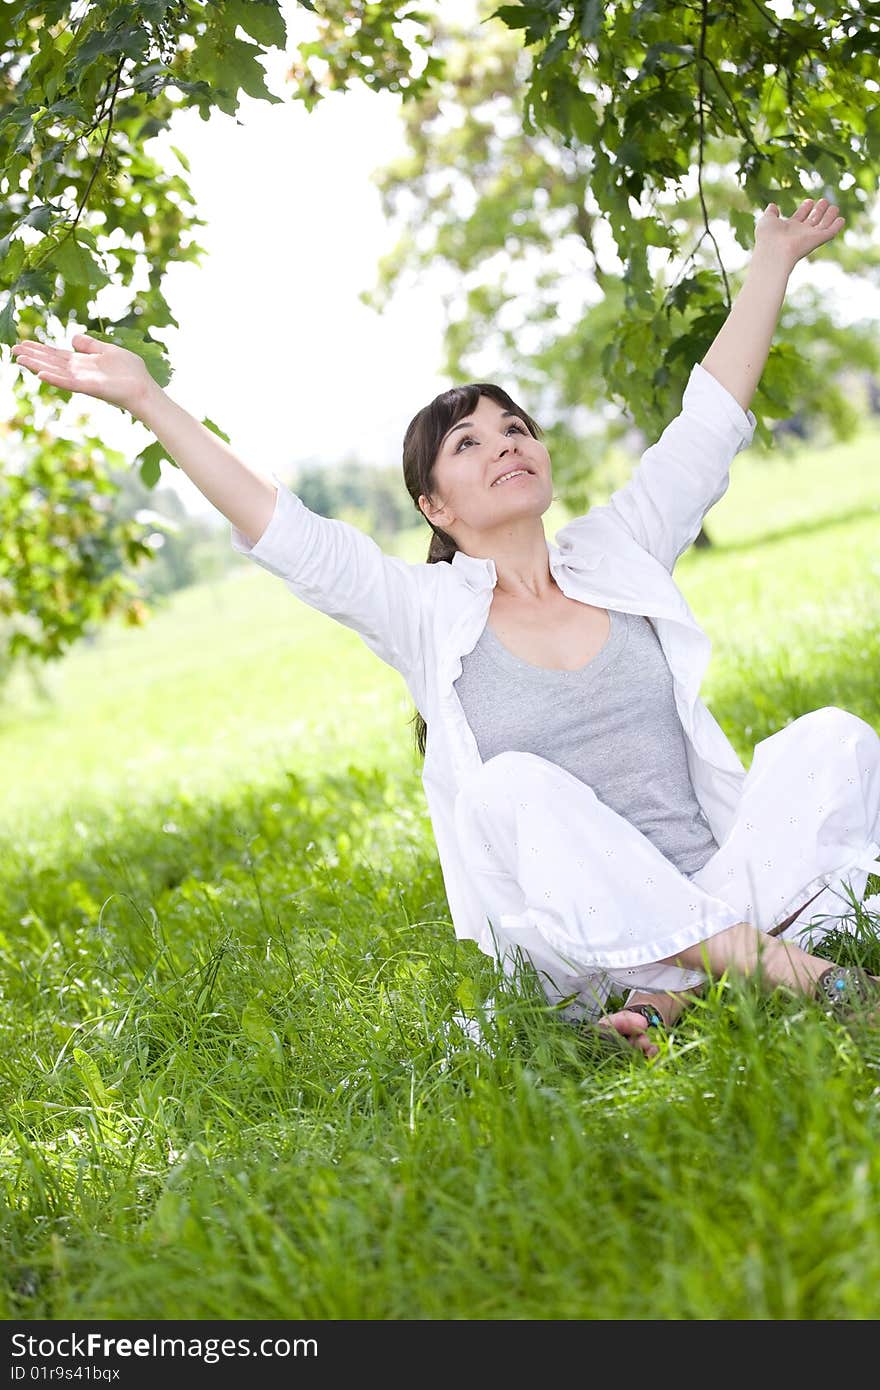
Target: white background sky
point(274, 344)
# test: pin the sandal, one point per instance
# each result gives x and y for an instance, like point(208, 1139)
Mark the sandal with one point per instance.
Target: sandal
point(654, 1016)
point(845, 989)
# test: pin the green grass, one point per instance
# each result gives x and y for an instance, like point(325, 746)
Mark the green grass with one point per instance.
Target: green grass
point(230, 1079)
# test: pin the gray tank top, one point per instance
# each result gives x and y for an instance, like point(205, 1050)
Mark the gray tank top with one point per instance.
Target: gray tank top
point(613, 723)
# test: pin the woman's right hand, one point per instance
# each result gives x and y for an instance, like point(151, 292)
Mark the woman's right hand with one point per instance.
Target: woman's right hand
point(98, 369)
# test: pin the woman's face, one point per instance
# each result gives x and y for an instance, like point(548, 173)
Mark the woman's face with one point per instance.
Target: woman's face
point(475, 452)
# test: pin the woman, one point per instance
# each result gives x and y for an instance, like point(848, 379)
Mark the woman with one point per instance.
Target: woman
point(703, 868)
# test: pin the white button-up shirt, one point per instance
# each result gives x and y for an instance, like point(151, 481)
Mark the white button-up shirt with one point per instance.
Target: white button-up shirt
point(422, 618)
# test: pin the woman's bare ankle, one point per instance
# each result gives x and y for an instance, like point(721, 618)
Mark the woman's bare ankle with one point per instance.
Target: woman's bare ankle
point(670, 1004)
point(745, 950)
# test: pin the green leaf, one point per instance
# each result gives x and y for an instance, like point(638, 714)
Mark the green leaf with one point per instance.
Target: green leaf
point(152, 78)
point(39, 217)
point(591, 19)
point(656, 233)
point(91, 1078)
point(466, 993)
point(39, 283)
point(631, 155)
point(257, 1025)
point(66, 107)
point(229, 65)
point(77, 265)
point(557, 45)
point(864, 41)
point(651, 60)
point(535, 20)
point(12, 255)
point(583, 118)
point(8, 322)
point(262, 19)
point(129, 38)
point(216, 428)
point(743, 224)
point(150, 460)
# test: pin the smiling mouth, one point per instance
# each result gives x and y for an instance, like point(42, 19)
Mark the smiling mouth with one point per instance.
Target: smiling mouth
point(514, 473)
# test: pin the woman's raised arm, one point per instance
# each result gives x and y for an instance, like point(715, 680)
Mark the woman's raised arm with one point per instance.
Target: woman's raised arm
point(681, 477)
point(329, 564)
point(112, 373)
point(741, 347)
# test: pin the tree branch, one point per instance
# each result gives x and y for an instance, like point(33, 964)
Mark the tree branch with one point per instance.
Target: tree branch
point(746, 132)
point(704, 7)
point(94, 174)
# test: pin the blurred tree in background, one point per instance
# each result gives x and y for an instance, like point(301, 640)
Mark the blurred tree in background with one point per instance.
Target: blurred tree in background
point(551, 125)
point(579, 268)
point(371, 498)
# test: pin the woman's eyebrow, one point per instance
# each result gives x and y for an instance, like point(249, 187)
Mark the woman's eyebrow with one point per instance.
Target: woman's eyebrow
point(469, 424)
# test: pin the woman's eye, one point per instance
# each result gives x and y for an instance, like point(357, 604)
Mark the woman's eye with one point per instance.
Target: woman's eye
point(468, 439)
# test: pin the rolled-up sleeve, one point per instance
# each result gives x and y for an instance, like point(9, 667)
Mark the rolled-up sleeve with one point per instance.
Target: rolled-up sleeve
point(678, 479)
point(341, 571)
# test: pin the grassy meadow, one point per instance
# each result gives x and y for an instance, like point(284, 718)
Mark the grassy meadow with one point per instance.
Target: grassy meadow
point(231, 1083)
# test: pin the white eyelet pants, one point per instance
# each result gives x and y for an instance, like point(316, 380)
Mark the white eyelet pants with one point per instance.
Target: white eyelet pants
point(591, 903)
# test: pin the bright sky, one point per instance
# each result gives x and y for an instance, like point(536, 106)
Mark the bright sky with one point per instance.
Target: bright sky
point(274, 344)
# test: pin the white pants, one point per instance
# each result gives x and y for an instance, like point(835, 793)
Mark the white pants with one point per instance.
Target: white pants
point(591, 903)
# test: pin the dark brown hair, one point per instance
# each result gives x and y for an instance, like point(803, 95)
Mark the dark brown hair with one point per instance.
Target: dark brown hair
point(421, 445)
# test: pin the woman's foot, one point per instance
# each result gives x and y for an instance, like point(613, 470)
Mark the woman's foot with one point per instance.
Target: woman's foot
point(636, 1028)
point(637, 1031)
point(633, 1027)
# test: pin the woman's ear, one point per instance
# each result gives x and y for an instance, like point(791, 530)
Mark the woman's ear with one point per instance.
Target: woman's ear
point(442, 516)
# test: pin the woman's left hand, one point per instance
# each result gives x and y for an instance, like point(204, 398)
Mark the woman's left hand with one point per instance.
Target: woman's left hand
point(791, 238)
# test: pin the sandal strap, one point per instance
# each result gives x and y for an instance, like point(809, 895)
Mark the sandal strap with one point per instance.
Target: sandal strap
point(845, 985)
point(654, 1016)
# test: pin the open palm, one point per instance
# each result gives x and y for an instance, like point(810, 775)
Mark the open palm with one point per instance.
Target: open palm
point(109, 372)
point(795, 237)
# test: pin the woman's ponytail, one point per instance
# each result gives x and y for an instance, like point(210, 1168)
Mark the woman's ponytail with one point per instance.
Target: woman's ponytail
point(442, 547)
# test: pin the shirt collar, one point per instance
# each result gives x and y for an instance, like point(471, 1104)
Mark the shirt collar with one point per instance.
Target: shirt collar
point(481, 573)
